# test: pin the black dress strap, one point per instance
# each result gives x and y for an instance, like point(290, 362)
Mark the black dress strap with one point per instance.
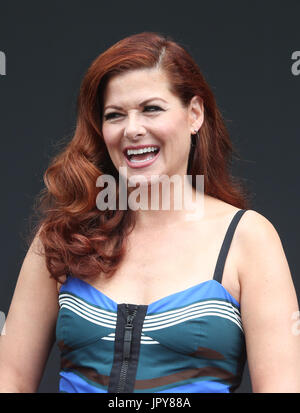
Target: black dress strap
point(218, 274)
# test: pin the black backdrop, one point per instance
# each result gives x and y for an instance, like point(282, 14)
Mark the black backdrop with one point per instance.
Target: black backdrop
point(244, 49)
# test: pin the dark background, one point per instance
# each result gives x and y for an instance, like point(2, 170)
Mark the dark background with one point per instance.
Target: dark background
point(242, 47)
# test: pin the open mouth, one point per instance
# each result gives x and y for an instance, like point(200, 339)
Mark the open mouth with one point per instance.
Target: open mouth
point(141, 157)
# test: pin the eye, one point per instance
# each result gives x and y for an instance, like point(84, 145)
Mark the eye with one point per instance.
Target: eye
point(112, 115)
point(153, 107)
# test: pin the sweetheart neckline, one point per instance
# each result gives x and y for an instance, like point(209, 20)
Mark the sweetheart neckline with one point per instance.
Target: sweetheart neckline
point(160, 299)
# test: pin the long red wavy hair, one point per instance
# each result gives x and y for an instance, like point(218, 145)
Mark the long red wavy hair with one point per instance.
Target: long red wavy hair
point(76, 236)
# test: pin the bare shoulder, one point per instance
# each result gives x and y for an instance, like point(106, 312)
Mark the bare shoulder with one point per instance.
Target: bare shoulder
point(254, 232)
point(34, 273)
point(254, 225)
point(36, 253)
point(261, 256)
point(253, 228)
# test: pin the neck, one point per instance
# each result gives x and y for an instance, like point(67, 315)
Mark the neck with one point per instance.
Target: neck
point(159, 207)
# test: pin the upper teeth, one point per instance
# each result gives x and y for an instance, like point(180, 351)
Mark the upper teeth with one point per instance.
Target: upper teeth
point(137, 151)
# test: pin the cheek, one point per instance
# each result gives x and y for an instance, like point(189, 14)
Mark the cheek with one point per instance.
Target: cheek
point(109, 137)
point(165, 130)
point(174, 135)
point(173, 125)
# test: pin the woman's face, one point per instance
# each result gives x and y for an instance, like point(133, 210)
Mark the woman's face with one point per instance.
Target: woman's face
point(139, 110)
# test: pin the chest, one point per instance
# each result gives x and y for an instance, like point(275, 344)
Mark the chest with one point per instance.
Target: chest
point(157, 265)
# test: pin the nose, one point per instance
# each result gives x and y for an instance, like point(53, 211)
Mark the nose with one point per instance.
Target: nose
point(133, 129)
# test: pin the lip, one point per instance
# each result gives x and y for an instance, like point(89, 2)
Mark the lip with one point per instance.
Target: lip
point(142, 164)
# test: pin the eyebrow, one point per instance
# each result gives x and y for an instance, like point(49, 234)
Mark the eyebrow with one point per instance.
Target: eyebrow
point(140, 104)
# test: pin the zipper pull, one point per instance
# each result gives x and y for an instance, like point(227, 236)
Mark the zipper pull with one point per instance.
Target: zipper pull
point(127, 340)
point(128, 335)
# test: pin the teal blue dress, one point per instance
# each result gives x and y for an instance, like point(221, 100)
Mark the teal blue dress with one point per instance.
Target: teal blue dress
point(191, 341)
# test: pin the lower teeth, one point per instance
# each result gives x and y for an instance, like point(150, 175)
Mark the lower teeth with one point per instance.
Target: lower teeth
point(144, 160)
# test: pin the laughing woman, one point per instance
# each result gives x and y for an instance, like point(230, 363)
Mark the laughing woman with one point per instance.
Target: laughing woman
point(147, 299)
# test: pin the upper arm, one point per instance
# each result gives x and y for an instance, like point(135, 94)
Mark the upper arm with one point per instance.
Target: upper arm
point(30, 325)
point(268, 307)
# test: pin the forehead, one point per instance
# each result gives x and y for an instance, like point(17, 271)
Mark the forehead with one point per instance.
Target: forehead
point(136, 85)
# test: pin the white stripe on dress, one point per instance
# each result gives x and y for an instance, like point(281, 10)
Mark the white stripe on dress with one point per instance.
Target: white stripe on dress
point(217, 308)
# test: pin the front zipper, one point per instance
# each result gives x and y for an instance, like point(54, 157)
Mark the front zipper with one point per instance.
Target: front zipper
point(126, 347)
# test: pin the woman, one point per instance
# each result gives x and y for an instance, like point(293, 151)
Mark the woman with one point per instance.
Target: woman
point(149, 299)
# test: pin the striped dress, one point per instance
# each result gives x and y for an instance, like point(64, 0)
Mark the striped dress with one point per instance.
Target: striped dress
point(191, 341)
